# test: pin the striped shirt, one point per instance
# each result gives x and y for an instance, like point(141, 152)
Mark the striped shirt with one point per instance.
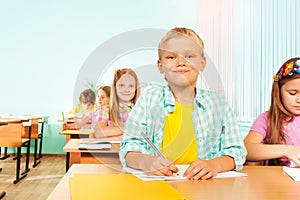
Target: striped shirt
point(217, 131)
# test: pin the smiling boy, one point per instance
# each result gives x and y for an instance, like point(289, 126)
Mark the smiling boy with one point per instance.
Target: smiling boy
point(188, 125)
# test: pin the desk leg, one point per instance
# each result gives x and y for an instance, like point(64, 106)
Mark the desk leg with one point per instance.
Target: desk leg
point(68, 137)
point(35, 159)
point(67, 161)
point(41, 140)
point(28, 150)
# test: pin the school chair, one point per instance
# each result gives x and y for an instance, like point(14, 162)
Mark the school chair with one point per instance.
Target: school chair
point(11, 136)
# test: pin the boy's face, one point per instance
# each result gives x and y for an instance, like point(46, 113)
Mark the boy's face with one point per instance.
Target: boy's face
point(180, 61)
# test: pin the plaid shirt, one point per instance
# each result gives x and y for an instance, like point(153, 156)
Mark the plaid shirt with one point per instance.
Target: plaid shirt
point(100, 114)
point(217, 131)
point(124, 110)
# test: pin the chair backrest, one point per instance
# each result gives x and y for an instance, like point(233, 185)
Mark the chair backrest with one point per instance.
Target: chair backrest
point(34, 128)
point(34, 123)
point(11, 135)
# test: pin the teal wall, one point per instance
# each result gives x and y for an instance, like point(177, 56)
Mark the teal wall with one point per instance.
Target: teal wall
point(53, 142)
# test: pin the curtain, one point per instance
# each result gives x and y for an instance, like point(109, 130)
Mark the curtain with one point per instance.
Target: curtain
point(247, 42)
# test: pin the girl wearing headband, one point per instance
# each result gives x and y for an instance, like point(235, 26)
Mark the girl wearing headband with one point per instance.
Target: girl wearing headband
point(275, 135)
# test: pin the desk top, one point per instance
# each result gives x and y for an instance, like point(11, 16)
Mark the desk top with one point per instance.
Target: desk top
point(20, 118)
point(3, 123)
point(263, 182)
point(73, 146)
point(10, 120)
point(77, 132)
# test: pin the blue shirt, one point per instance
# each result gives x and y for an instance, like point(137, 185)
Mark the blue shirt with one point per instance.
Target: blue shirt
point(217, 131)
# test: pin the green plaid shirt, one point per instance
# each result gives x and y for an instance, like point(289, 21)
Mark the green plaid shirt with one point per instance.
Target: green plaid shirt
point(217, 131)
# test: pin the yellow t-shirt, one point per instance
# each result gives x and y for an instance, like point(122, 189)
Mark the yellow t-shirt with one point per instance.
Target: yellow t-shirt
point(79, 109)
point(179, 141)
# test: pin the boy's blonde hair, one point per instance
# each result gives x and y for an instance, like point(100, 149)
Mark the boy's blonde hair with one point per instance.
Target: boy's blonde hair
point(181, 32)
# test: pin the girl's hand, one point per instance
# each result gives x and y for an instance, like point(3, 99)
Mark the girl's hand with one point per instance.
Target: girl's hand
point(201, 169)
point(157, 166)
point(293, 153)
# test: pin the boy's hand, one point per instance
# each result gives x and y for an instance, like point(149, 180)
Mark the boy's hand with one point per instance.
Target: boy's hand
point(201, 169)
point(64, 126)
point(157, 166)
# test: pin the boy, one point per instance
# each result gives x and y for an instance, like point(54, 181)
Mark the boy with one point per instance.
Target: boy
point(189, 125)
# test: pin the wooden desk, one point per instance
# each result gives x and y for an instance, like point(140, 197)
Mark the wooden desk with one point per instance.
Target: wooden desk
point(263, 182)
point(74, 155)
point(9, 119)
point(75, 134)
point(37, 135)
point(2, 194)
point(11, 136)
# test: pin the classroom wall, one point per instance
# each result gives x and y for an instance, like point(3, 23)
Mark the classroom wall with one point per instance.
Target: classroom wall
point(44, 45)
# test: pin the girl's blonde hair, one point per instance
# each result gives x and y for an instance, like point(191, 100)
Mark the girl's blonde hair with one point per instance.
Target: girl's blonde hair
point(114, 110)
point(278, 114)
point(106, 89)
point(181, 32)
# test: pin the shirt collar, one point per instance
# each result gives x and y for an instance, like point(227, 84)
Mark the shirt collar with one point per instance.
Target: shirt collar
point(170, 100)
point(126, 106)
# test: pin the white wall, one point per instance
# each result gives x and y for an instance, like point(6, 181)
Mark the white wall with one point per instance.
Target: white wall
point(44, 44)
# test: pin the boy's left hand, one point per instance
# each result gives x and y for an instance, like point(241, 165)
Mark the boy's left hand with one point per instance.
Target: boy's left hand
point(201, 169)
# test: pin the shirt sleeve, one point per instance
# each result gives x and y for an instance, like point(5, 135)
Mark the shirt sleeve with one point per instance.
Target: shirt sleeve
point(260, 125)
point(132, 139)
point(224, 135)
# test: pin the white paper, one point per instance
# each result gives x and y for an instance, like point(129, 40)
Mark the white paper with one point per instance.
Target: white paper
point(181, 169)
point(230, 174)
point(294, 173)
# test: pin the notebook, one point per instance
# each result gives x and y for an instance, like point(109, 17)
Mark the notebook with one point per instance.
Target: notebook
point(294, 173)
point(181, 169)
point(120, 186)
point(94, 144)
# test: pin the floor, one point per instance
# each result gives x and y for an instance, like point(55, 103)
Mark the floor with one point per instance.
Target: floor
point(39, 182)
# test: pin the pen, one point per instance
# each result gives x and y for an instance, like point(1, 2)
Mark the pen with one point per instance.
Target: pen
point(63, 117)
point(154, 147)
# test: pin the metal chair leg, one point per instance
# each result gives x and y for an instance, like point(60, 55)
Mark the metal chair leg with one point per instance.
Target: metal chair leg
point(18, 178)
point(35, 158)
point(41, 140)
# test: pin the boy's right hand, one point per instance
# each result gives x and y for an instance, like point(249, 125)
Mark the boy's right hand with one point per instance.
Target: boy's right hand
point(64, 126)
point(157, 166)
